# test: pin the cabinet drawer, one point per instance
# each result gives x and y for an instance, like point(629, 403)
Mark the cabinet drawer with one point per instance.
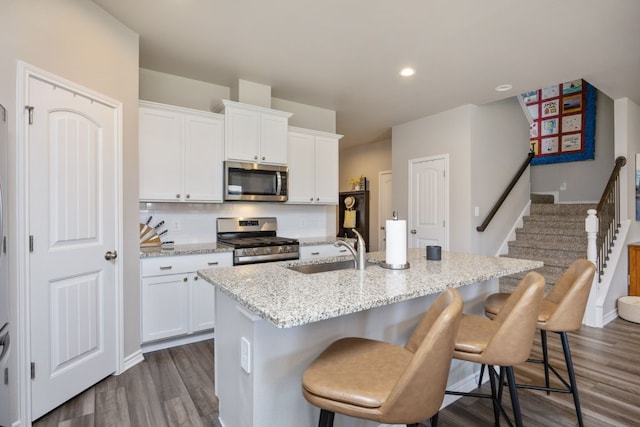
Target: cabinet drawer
point(184, 263)
point(318, 251)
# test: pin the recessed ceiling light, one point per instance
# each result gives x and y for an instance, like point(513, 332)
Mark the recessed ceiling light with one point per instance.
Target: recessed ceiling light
point(407, 72)
point(504, 88)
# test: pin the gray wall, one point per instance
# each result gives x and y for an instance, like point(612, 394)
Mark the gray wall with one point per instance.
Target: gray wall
point(444, 133)
point(585, 180)
point(80, 42)
point(498, 149)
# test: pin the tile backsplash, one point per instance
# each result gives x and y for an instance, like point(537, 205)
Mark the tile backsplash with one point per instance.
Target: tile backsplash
point(196, 223)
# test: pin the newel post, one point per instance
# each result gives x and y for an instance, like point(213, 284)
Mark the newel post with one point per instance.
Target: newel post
point(591, 224)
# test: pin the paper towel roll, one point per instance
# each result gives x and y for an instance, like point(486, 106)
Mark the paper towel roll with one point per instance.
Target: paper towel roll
point(396, 242)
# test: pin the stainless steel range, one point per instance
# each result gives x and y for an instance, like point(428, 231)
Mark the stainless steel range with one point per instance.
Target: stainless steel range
point(255, 240)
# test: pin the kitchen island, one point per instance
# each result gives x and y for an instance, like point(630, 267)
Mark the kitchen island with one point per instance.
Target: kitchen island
point(271, 322)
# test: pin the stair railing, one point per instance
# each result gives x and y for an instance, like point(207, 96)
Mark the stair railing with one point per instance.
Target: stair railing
point(506, 192)
point(605, 219)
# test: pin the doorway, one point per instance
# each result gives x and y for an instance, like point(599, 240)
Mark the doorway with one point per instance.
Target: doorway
point(70, 190)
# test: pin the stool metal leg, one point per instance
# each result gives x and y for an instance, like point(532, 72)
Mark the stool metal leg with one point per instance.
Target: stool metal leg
point(481, 375)
point(494, 395)
point(515, 403)
point(545, 358)
point(326, 418)
point(572, 376)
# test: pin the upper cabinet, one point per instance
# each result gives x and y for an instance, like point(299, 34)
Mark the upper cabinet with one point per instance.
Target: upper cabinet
point(255, 134)
point(313, 166)
point(180, 154)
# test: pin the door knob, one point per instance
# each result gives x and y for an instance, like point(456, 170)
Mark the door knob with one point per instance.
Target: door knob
point(109, 255)
point(413, 231)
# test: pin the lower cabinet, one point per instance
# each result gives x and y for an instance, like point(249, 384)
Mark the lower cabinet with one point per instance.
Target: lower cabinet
point(319, 251)
point(175, 301)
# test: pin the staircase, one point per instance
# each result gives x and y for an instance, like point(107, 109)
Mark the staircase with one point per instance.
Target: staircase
point(554, 234)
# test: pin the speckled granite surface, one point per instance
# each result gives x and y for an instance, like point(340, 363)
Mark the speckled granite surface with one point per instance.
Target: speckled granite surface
point(287, 298)
point(186, 249)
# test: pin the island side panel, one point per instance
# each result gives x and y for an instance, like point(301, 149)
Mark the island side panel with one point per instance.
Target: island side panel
point(270, 394)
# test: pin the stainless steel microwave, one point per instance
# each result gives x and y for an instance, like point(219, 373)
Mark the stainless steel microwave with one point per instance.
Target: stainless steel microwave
point(255, 182)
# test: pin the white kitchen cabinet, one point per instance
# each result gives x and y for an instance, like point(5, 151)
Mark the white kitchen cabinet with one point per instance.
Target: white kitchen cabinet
point(175, 301)
point(313, 167)
point(180, 154)
point(255, 134)
point(319, 251)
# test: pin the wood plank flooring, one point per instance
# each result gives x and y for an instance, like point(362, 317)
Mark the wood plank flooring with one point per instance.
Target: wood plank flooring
point(174, 387)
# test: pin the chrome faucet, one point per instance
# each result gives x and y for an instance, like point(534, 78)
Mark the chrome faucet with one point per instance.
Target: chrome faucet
point(358, 255)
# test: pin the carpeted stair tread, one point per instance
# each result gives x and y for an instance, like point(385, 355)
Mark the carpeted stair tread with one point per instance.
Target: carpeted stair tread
point(553, 234)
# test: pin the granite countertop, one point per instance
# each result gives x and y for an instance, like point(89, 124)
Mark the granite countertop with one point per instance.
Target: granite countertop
point(286, 298)
point(321, 240)
point(183, 249)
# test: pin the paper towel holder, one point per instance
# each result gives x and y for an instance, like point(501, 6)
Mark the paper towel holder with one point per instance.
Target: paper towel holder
point(394, 266)
point(383, 264)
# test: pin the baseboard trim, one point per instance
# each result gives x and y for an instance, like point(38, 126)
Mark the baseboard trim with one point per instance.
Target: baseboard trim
point(174, 342)
point(132, 360)
point(610, 317)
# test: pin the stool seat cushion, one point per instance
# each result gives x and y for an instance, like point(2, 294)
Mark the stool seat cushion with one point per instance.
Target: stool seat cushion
point(356, 371)
point(474, 334)
point(494, 303)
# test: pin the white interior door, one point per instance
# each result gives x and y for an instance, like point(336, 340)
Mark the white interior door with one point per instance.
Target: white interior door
point(385, 209)
point(428, 202)
point(73, 199)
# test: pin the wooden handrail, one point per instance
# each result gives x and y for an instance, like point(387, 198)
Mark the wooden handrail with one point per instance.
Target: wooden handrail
point(620, 162)
point(506, 192)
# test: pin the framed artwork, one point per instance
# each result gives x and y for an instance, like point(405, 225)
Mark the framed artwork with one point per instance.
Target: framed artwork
point(563, 128)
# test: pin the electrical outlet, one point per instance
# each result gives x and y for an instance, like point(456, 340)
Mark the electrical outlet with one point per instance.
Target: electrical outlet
point(476, 211)
point(563, 186)
point(245, 355)
point(177, 226)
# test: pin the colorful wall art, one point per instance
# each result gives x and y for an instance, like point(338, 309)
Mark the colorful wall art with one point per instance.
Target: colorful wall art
point(564, 122)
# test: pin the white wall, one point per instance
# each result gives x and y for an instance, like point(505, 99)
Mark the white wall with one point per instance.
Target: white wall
point(500, 145)
point(446, 132)
point(368, 160)
point(80, 42)
point(627, 144)
point(585, 180)
point(307, 116)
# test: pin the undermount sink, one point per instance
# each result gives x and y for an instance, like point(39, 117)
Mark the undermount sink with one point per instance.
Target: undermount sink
point(324, 267)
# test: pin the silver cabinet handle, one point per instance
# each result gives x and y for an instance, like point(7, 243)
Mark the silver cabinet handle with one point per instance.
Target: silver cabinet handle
point(177, 196)
point(166, 267)
point(109, 255)
point(315, 253)
point(195, 278)
point(382, 227)
point(188, 196)
point(213, 263)
point(263, 158)
point(413, 231)
point(255, 157)
point(185, 280)
point(342, 250)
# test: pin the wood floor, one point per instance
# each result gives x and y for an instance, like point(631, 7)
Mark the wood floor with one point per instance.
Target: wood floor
point(174, 387)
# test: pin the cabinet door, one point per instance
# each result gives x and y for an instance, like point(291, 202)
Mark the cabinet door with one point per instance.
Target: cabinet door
point(203, 303)
point(160, 154)
point(241, 134)
point(326, 170)
point(273, 139)
point(301, 168)
point(204, 156)
point(165, 306)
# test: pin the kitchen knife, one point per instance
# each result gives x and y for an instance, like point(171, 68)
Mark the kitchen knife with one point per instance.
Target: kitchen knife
point(158, 225)
point(148, 220)
point(163, 233)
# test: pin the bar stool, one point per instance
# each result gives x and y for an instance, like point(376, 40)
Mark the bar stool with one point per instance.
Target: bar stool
point(383, 382)
point(561, 311)
point(503, 341)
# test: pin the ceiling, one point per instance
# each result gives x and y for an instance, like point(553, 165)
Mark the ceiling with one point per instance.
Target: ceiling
point(346, 55)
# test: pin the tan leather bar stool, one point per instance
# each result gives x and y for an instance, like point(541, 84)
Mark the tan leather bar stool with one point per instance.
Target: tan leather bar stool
point(383, 382)
point(561, 311)
point(503, 341)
